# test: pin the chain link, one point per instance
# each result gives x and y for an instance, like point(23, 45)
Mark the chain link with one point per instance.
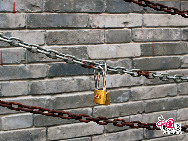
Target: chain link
point(81, 117)
point(95, 65)
point(160, 7)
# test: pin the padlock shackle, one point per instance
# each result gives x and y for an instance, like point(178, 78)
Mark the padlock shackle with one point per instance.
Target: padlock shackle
point(104, 76)
point(97, 77)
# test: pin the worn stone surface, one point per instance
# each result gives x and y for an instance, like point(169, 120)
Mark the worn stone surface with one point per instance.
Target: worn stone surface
point(74, 6)
point(155, 35)
point(12, 21)
point(79, 139)
point(21, 6)
point(184, 61)
point(150, 92)
point(23, 72)
point(75, 37)
point(129, 108)
point(55, 85)
point(32, 134)
point(182, 88)
point(30, 37)
point(13, 56)
point(157, 63)
point(113, 51)
point(73, 130)
point(114, 21)
point(161, 20)
point(117, 36)
point(165, 104)
point(182, 114)
point(60, 69)
point(17, 88)
point(56, 20)
point(133, 134)
point(184, 34)
point(161, 49)
point(119, 6)
point(16, 121)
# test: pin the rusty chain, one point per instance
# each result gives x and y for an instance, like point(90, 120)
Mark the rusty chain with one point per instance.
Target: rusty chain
point(95, 65)
point(160, 7)
point(81, 117)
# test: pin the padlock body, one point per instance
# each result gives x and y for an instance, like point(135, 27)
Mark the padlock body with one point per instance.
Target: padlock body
point(107, 99)
point(100, 97)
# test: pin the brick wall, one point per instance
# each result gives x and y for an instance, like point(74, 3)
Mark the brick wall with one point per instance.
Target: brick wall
point(122, 34)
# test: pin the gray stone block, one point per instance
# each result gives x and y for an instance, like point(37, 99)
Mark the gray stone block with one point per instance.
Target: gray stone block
point(153, 117)
point(184, 5)
point(155, 35)
point(21, 6)
point(182, 114)
point(23, 72)
point(151, 92)
point(74, 6)
point(159, 20)
point(133, 134)
point(13, 56)
point(16, 121)
point(32, 134)
point(119, 96)
point(30, 37)
point(81, 83)
point(182, 137)
point(184, 61)
point(118, 6)
point(153, 134)
point(161, 49)
point(165, 104)
point(77, 130)
point(129, 108)
point(115, 21)
point(157, 63)
point(110, 111)
point(182, 88)
point(12, 21)
point(127, 63)
point(79, 139)
point(113, 51)
point(59, 69)
point(75, 37)
point(168, 138)
point(184, 34)
point(17, 88)
point(118, 36)
point(68, 101)
point(57, 20)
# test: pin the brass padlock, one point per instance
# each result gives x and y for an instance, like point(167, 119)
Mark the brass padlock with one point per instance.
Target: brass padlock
point(101, 96)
